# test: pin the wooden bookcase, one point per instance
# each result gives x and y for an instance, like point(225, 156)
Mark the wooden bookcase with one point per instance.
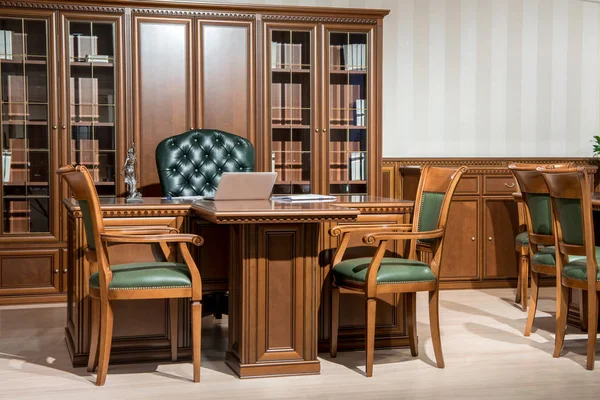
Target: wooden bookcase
point(80, 82)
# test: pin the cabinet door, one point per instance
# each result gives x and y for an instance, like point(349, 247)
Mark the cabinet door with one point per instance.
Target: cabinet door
point(500, 226)
point(162, 88)
point(26, 272)
point(349, 116)
point(290, 76)
point(460, 260)
point(93, 96)
point(226, 77)
point(27, 118)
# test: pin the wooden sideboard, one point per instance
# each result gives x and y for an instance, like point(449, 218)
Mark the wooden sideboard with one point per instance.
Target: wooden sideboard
point(483, 221)
point(109, 73)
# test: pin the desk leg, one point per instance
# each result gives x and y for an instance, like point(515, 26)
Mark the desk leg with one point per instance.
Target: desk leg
point(273, 299)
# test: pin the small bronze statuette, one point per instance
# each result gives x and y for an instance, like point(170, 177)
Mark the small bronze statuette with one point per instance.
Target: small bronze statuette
point(129, 174)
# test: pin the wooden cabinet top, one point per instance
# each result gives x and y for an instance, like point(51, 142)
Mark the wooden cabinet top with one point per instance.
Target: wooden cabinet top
point(203, 9)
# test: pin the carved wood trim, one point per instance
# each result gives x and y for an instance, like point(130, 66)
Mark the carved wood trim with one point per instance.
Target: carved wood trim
point(281, 220)
point(481, 162)
point(62, 7)
point(312, 18)
point(194, 13)
point(386, 210)
point(137, 213)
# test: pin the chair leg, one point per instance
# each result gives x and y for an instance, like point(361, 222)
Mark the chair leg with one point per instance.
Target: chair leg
point(370, 312)
point(173, 314)
point(535, 290)
point(219, 305)
point(518, 293)
point(524, 278)
point(335, 321)
point(562, 307)
point(434, 322)
point(94, 335)
point(592, 328)
point(411, 322)
point(583, 309)
point(197, 337)
point(106, 331)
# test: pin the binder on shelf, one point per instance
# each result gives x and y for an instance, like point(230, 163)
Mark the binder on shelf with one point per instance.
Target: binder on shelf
point(84, 99)
point(276, 103)
point(6, 160)
point(6, 45)
point(16, 96)
point(357, 166)
point(83, 46)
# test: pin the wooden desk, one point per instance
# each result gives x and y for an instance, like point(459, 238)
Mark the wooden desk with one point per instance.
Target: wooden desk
point(278, 266)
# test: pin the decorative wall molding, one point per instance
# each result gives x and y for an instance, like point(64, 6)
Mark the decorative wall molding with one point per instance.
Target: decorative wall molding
point(280, 220)
point(311, 18)
point(61, 7)
point(194, 13)
point(482, 162)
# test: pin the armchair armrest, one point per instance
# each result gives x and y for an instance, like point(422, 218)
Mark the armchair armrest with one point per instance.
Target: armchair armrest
point(140, 230)
point(371, 238)
point(340, 229)
point(168, 238)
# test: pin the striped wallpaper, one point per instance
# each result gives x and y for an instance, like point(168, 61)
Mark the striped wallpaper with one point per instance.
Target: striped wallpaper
point(487, 78)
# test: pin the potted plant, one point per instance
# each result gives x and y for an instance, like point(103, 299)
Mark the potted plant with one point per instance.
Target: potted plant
point(596, 145)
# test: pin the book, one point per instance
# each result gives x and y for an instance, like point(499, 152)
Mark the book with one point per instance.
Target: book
point(97, 59)
point(6, 161)
point(87, 98)
point(6, 45)
point(276, 103)
point(16, 96)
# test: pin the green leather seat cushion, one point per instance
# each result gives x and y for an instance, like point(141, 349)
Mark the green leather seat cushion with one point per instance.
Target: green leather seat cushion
point(577, 269)
point(546, 256)
point(392, 270)
point(146, 275)
point(522, 239)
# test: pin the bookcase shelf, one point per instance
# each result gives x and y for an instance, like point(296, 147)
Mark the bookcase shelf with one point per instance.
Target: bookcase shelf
point(290, 126)
point(91, 64)
point(348, 72)
point(88, 123)
point(292, 70)
point(26, 62)
point(25, 122)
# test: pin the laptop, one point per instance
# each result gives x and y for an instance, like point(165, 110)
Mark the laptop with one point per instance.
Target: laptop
point(244, 186)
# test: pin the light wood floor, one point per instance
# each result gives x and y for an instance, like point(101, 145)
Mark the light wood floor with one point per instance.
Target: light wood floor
point(486, 356)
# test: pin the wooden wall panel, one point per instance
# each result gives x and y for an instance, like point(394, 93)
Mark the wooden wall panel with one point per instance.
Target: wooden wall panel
point(30, 272)
point(226, 82)
point(163, 94)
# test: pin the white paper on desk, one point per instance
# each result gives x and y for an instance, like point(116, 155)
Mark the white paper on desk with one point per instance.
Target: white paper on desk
point(304, 198)
point(184, 198)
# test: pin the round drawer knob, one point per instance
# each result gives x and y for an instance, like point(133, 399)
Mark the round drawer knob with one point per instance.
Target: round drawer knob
point(490, 238)
point(65, 270)
point(56, 271)
point(473, 238)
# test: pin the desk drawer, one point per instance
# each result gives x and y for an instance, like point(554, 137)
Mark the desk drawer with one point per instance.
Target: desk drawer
point(468, 185)
point(499, 184)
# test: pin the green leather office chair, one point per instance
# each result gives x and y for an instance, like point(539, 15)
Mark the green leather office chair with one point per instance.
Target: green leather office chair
point(191, 163)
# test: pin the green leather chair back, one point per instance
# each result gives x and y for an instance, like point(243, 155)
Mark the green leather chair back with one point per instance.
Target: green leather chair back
point(431, 205)
point(568, 211)
point(540, 212)
point(191, 164)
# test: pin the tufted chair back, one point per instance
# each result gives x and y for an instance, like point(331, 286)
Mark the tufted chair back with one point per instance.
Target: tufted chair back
point(191, 163)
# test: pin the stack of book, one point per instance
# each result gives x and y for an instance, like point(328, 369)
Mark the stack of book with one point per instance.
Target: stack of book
point(286, 159)
point(84, 99)
point(286, 103)
point(81, 46)
point(18, 216)
point(16, 85)
point(88, 155)
point(348, 57)
point(346, 108)
point(286, 55)
point(346, 162)
point(13, 45)
point(17, 163)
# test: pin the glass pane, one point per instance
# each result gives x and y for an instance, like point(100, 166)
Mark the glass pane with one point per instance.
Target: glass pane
point(291, 110)
point(348, 125)
point(25, 134)
point(92, 101)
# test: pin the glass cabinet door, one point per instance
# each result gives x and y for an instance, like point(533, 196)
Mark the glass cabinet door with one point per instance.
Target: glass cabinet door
point(24, 86)
point(348, 102)
point(91, 87)
point(291, 77)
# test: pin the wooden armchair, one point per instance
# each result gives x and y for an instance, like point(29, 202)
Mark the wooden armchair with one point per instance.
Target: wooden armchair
point(576, 253)
point(142, 280)
point(381, 274)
